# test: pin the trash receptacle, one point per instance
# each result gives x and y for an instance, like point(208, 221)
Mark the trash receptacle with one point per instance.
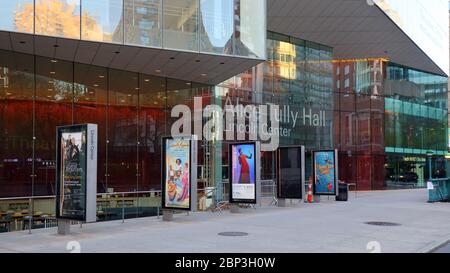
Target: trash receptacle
point(343, 193)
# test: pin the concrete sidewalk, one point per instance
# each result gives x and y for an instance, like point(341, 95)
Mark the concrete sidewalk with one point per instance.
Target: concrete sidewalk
point(322, 227)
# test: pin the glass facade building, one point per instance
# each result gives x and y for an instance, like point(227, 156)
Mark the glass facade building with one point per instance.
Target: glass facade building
point(213, 27)
point(384, 118)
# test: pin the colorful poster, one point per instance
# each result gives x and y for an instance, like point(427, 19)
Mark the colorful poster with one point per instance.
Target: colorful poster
point(177, 178)
point(72, 172)
point(325, 174)
point(243, 173)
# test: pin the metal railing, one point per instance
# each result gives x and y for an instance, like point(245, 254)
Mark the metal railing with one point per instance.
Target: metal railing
point(25, 211)
point(31, 212)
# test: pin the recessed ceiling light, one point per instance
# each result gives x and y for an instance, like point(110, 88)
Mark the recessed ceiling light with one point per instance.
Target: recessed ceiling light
point(188, 83)
point(52, 72)
point(101, 76)
point(204, 74)
point(54, 61)
point(95, 85)
point(146, 80)
point(137, 88)
point(158, 70)
point(129, 95)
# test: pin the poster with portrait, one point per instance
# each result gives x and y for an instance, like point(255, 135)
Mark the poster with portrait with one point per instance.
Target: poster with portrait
point(177, 173)
point(76, 171)
point(290, 172)
point(325, 170)
point(242, 173)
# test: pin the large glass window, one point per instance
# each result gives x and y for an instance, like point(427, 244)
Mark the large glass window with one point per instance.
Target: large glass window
point(152, 127)
point(181, 24)
point(216, 26)
point(143, 22)
point(17, 15)
point(122, 130)
point(53, 107)
point(250, 21)
point(16, 124)
point(58, 18)
point(90, 104)
point(102, 20)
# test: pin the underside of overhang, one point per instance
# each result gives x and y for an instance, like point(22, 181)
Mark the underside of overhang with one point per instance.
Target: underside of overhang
point(353, 28)
point(188, 66)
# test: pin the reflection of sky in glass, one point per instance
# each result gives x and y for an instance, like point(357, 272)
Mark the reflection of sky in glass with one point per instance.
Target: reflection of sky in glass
point(8, 11)
point(217, 17)
point(107, 12)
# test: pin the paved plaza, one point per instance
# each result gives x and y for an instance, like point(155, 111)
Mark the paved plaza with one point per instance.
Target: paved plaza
point(327, 226)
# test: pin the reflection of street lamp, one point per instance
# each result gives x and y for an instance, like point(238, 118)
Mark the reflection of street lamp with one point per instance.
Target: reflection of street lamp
point(430, 155)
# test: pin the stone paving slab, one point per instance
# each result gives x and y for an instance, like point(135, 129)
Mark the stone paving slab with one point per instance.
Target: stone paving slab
point(327, 226)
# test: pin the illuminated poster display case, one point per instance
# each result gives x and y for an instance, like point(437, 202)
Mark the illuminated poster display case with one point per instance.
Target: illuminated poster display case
point(290, 172)
point(325, 170)
point(76, 172)
point(179, 173)
point(242, 172)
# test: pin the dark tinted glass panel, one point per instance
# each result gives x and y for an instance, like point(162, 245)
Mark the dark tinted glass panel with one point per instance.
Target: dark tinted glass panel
point(53, 106)
point(290, 173)
point(16, 123)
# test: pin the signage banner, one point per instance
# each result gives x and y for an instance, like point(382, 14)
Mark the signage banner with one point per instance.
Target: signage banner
point(177, 173)
point(325, 169)
point(290, 172)
point(243, 173)
point(76, 172)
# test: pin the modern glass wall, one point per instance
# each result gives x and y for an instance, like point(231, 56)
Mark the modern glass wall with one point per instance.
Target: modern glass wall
point(217, 26)
point(297, 77)
point(60, 18)
point(416, 124)
point(223, 27)
point(143, 21)
point(38, 94)
point(390, 118)
point(181, 24)
point(102, 20)
point(359, 121)
point(17, 15)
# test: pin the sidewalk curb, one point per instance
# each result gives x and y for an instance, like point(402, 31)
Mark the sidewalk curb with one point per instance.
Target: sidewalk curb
point(435, 245)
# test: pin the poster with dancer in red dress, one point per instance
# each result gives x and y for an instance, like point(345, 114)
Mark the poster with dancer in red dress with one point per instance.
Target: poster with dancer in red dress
point(243, 174)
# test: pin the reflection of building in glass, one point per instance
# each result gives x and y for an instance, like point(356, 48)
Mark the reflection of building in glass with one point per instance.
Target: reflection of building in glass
point(141, 21)
point(4, 77)
point(56, 18)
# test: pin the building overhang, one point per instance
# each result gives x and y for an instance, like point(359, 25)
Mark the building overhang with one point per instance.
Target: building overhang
point(354, 28)
point(188, 66)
